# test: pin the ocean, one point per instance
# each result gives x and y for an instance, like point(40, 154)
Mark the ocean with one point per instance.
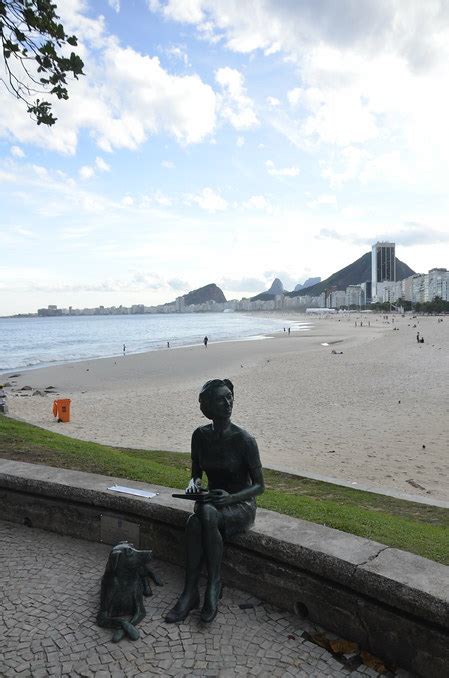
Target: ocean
point(39, 342)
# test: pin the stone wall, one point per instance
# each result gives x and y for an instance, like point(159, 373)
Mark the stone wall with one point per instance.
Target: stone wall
point(393, 603)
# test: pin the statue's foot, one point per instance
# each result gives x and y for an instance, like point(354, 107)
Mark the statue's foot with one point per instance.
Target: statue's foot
point(185, 604)
point(210, 607)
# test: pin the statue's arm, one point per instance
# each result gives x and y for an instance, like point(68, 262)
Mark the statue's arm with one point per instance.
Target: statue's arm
point(249, 492)
point(197, 471)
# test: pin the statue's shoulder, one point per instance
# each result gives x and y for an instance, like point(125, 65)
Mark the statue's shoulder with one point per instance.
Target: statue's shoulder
point(242, 434)
point(202, 431)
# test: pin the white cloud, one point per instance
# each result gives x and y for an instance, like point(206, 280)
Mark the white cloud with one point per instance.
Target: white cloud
point(257, 202)
point(127, 201)
point(292, 171)
point(208, 200)
point(115, 5)
point(86, 172)
point(168, 164)
point(7, 176)
point(25, 232)
point(52, 194)
point(154, 101)
point(296, 27)
point(178, 52)
point(124, 98)
point(234, 104)
point(156, 198)
point(187, 11)
point(17, 152)
point(346, 167)
point(240, 142)
point(178, 284)
point(101, 165)
point(353, 212)
point(325, 199)
point(378, 86)
point(294, 96)
point(40, 171)
point(273, 102)
point(251, 285)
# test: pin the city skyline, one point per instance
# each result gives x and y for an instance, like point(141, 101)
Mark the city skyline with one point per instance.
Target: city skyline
point(380, 285)
point(212, 141)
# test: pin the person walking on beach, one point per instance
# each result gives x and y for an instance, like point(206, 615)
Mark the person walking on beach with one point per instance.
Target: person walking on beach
point(289, 331)
point(205, 340)
point(417, 337)
point(168, 344)
point(124, 350)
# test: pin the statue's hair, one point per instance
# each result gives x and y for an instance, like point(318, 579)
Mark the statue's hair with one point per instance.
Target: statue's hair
point(207, 390)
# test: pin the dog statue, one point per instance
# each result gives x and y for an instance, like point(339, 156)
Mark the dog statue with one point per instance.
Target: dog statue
point(123, 585)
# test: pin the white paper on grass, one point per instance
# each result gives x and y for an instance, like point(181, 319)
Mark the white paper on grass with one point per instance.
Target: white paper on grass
point(133, 490)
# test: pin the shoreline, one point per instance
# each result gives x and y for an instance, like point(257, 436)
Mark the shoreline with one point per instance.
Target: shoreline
point(118, 356)
point(257, 335)
point(372, 415)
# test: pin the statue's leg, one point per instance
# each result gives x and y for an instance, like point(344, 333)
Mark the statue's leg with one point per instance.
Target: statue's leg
point(118, 635)
point(130, 627)
point(190, 597)
point(211, 521)
point(149, 574)
point(108, 622)
point(112, 622)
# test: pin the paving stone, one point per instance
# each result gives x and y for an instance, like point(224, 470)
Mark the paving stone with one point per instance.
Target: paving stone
point(48, 625)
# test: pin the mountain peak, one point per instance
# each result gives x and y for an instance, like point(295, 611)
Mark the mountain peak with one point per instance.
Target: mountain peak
point(307, 283)
point(354, 274)
point(209, 292)
point(276, 287)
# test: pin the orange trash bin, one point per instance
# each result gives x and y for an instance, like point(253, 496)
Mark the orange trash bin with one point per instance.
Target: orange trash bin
point(61, 409)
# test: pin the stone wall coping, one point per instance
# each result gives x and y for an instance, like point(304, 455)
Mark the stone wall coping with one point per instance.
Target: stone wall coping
point(415, 585)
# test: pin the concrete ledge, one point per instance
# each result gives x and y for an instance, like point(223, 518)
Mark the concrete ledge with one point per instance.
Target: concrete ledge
point(393, 603)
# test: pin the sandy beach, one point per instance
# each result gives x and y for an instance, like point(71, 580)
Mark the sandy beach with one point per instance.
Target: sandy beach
point(375, 415)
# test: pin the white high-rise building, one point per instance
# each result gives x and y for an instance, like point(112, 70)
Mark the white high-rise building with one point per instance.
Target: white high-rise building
point(438, 285)
point(383, 265)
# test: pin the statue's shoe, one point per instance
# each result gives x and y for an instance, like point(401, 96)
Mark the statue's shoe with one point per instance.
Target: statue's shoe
point(210, 607)
point(182, 608)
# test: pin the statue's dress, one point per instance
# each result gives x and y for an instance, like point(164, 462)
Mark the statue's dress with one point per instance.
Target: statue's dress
point(228, 460)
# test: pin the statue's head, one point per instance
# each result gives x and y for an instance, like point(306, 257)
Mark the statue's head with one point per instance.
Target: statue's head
point(217, 398)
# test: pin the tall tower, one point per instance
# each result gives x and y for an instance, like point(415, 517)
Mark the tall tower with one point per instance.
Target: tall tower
point(383, 264)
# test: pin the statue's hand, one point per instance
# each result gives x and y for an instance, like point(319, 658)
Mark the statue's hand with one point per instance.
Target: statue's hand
point(193, 486)
point(219, 497)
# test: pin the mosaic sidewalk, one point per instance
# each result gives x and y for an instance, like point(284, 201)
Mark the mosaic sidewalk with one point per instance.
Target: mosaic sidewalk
point(49, 593)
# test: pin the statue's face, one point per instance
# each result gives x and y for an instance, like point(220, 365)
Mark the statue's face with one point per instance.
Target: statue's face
point(221, 402)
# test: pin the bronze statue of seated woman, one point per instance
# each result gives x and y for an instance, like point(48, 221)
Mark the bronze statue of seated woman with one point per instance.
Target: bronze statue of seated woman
point(229, 457)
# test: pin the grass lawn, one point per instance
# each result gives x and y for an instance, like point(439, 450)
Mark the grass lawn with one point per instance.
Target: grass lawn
point(406, 525)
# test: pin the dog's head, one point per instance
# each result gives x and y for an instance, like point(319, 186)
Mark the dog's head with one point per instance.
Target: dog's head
point(125, 558)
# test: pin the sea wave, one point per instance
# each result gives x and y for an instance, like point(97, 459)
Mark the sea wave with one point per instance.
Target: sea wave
point(29, 343)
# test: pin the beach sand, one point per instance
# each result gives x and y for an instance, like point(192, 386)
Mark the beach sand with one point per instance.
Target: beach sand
point(362, 417)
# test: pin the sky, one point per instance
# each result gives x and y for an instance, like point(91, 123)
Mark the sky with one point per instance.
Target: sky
point(227, 141)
